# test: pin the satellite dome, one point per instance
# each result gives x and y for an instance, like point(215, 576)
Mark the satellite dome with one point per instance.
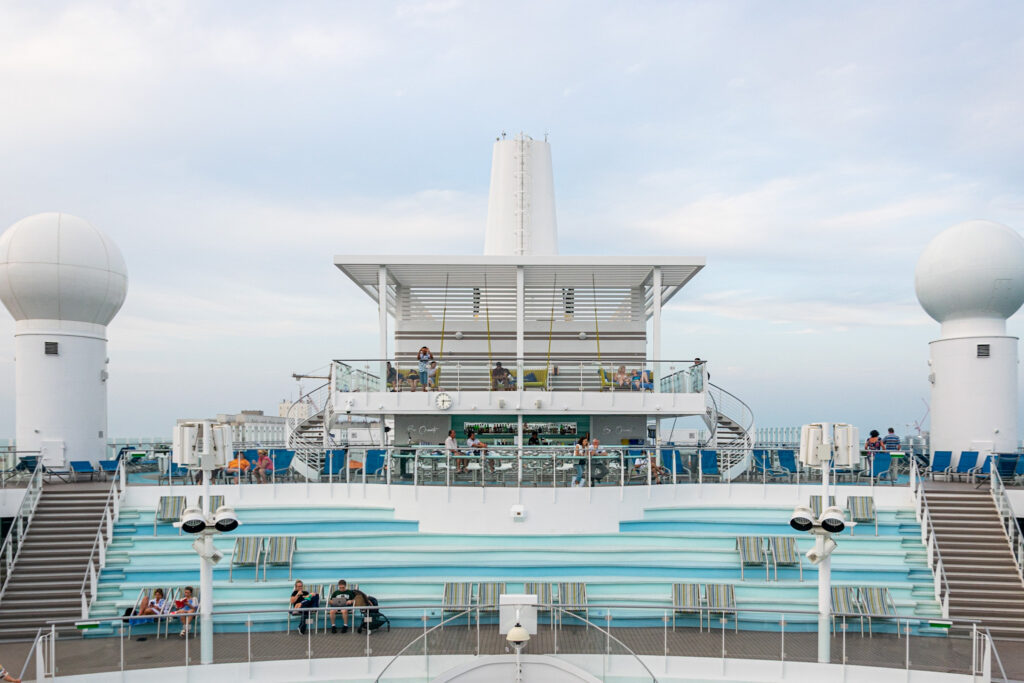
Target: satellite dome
point(972, 270)
point(55, 266)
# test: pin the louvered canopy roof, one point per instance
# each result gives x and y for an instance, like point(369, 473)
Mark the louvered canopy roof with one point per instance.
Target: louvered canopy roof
point(539, 271)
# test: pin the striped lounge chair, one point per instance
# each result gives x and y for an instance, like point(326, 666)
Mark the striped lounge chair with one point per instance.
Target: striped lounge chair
point(846, 604)
point(816, 505)
point(721, 597)
point(246, 554)
point(686, 599)
point(785, 554)
point(161, 624)
point(488, 595)
point(168, 509)
point(215, 503)
point(862, 510)
point(751, 549)
point(878, 603)
point(457, 597)
point(572, 597)
point(544, 593)
point(280, 551)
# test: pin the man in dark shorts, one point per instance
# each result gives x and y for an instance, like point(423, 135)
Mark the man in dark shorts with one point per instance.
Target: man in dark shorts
point(343, 596)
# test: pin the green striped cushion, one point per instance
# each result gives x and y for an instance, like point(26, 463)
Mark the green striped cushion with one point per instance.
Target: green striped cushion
point(574, 594)
point(862, 508)
point(457, 595)
point(247, 550)
point(488, 594)
point(215, 502)
point(785, 550)
point(720, 595)
point(844, 600)
point(541, 590)
point(751, 550)
point(169, 508)
point(279, 549)
point(876, 601)
point(816, 504)
point(685, 596)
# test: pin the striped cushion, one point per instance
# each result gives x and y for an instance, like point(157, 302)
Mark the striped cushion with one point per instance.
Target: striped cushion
point(785, 550)
point(169, 508)
point(488, 594)
point(751, 550)
point(247, 550)
point(457, 595)
point(876, 601)
point(279, 549)
point(541, 590)
point(816, 504)
point(574, 594)
point(720, 595)
point(862, 508)
point(686, 596)
point(215, 502)
point(844, 600)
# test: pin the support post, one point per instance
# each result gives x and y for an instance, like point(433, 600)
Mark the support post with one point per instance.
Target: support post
point(382, 320)
point(656, 325)
point(825, 566)
point(206, 573)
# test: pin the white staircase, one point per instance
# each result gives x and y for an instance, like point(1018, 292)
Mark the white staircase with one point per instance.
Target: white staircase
point(307, 435)
point(731, 425)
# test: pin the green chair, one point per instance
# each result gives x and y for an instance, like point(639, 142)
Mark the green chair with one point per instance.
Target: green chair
point(280, 551)
point(168, 509)
point(686, 599)
point(878, 603)
point(544, 592)
point(785, 554)
point(862, 510)
point(488, 595)
point(752, 553)
point(816, 505)
point(246, 554)
point(572, 597)
point(457, 597)
point(845, 604)
point(721, 597)
point(215, 503)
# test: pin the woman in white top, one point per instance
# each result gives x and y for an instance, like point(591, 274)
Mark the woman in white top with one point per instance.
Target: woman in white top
point(581, 450)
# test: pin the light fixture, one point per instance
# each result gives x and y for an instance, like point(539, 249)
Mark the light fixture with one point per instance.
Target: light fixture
point(816, 555)
point(832, 520)
point(192, 521)
point(458, 335)
point(225, 519)
point(802, 518)
point(582, 336)
point(518, 636)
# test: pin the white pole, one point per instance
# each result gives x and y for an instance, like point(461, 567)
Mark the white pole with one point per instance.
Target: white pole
point(656, 325)
point(206, 573)
point(382, 313)
point(825, 566)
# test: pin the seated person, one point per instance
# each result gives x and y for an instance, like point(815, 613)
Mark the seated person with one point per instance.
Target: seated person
point(598, 468)
point(621, 378)
point(186, 609)
point(475, 445)
point(501, 378)
point(643, 380)
point(392, 380)
point(343, 596)
point(264, 467)
point(238, 466)
point(432, 374)
point(154, 606)
point(452, 447)
point(534, 439)
point(300, 603)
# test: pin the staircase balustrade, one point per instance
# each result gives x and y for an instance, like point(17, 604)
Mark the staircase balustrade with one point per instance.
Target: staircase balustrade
point(1008, 519)
point(924, 518)
point(104, 537)
point(11, 547)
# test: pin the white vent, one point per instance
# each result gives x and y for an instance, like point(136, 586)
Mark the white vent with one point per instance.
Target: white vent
point(983, 351)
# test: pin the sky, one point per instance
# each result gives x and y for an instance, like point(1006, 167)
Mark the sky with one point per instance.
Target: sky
point(809, 151)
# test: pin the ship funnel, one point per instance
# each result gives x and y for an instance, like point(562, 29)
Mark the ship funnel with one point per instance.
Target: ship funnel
point(521, 205)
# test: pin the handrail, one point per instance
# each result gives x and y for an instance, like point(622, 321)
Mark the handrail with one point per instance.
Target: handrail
point(98, 553)
point(16, 534)
point(924, 517)
point(31, 651)
point(1007, 518)
point(995, 653)
point(319, 399)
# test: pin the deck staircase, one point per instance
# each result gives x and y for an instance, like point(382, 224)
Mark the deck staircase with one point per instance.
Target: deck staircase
point(47, 580)
point(307, 439)
point(731, 425)
point(983, 581)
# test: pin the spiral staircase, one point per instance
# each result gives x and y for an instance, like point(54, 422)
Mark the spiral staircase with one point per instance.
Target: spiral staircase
point(730, 424)
point(307, 435)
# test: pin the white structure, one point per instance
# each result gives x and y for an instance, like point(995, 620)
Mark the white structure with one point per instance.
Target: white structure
point(63, 281)
point(521, 205)
point(971, 279)
point(251, 427)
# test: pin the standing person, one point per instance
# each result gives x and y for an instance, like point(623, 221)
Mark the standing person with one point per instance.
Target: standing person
point(890, 441)
point(186, 610)
point(582, 447)
point(301, 602)
point(264, 466)
point(423, 357)
point(873, 443)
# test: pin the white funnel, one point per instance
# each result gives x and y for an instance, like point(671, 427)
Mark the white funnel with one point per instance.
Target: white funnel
point(521, 206)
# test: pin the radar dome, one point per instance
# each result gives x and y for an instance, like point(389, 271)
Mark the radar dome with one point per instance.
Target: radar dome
point(972, 270)
point(54, 266)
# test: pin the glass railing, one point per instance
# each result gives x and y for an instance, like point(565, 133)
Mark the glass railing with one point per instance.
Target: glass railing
point(503, 374)
point(410, 641)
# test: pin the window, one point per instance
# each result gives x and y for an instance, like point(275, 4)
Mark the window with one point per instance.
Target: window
point(983, 350)
point(50, 348)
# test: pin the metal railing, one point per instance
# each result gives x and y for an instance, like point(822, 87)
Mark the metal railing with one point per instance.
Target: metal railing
point(104, 537)
point(928, 538)
point(11, 547)
point(1008, 520)
point(641, 634)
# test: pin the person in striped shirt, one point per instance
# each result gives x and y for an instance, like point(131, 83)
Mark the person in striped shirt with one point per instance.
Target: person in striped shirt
point(890, 441)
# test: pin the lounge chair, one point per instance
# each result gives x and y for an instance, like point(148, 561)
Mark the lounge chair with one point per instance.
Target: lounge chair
point(161, 622)
point(246, 554)
point(878, 603)
point(940, 464)
point(572, 597)
point(334, 463)
point(981, 473)
point(845, 604)
point(673, 458)
point(881, 468)
point(721, 597)
point(862, 510)
point(488, 595)
point(968, 461)
point(544, 594)
point(168, 509)
point(457, 597)
point(280, 551)
point(686, 599)
point(760, 464)
point(216, 502)
point(787, 462)
point(816, 505)
point(109, 467)
point(709, 465)
point(752, 554)
point(82, 468)
point(785, 554)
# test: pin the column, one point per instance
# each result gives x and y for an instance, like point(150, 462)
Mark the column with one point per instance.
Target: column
point(382, 313)
point(656, 324)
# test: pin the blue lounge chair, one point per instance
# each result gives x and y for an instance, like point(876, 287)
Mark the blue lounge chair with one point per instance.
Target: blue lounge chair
point(334, 462)
point(82, 468)
point(109, 467)
point(941, 463)
point(760, 463)
point(709, 465)
point(787, 462)
point(881, 468)
point(968, 461)
point(672, 459)
point(981, 473)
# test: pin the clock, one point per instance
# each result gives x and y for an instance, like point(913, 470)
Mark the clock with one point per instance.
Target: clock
point(443, 401)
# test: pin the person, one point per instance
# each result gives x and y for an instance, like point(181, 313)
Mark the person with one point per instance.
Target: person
point(154, 606)
point(598, 469)
point(264, 466)
point(534, 439)
point(186, 609)
point(890, 441)
point(432, 374)
point(697, 374)
point(642, 381)
point(423, 357)
point(302, 601)
point(5, 675)
point(478, 447)
point(621, 378)
point(392, 380)
point(343, 596)
point(238, 466)
point(873, 443)
point(581, 450)
point(501, 378)
point(452, 448)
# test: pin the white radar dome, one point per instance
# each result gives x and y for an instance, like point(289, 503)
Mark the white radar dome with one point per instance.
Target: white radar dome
point(54, 266)
point(972, 270)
